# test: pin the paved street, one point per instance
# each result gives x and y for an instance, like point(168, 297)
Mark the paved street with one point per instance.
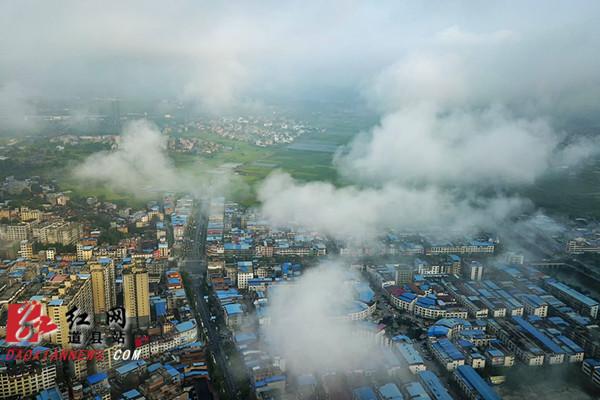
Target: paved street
point(194, 263)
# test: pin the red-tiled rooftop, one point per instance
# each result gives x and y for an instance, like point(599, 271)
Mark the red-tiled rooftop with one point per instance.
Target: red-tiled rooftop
point(59, 278)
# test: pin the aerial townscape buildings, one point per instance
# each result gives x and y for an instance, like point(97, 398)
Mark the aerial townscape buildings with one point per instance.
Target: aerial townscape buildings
point(195, 279)
point(80, 276)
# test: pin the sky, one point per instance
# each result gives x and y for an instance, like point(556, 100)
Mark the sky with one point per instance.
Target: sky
point(221, 54)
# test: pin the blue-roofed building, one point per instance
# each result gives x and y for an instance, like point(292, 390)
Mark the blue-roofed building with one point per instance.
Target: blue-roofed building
point(154, 367)
point(535, 305)
point(364, 393)
point(416, 391)
point(136, 366)
point(364, 292)
point(286, 268)
point(233, 314)
point(513, 306)
point(574, 351)
point(132, 394)
point(232, 309)
point(276, 382)
point(159, 306)
point(434, 387)
point(582, 303)
point(96, 378)
point(428, 307)
point(518, 341)
point(475, 336)
point(454, 325)
point(173, 281)
point(195, 374)
point(390, 391)
point(307, 385)
point(357, 310)
point(555, 353)
point(437, 331)
point(558, 321)
point(402, 338)
point(49, 394)
point(186, 326)
point(229, 295)
point(491, 285)
point(245, 272)
point(472, 384)
point(237, 247)
point(244, 265)
point(410, 356)
point(406, 300)
point(496, 357)
point(591, 366)
point(485, 247)
point(172, 372)
point(447, 354)
point(245, 337)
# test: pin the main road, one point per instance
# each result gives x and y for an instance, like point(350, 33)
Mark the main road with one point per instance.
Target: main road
point(194, 264)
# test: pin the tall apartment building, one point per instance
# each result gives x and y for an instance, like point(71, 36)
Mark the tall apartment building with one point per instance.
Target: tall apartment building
point(21, 231)
point(163, 249)
point(26, 249)
point(515, 258)
point(73, 292)
point(245, 272)
point(57, 232)
point(103, 288)
point(136, 297)
point(29, 215)
point(404, 274)
point(84, 252)
point(156, 269)
point(26, 379)
point(474, 271)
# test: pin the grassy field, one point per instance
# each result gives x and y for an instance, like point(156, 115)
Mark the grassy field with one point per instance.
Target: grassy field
point(254, 163)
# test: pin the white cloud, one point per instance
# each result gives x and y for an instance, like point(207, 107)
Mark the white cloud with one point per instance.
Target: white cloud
point(362, 213)
point(455, 35)
point(488, 147)
point(138, 164)
point(306, 329)
point(141, 165)
point(417, 78)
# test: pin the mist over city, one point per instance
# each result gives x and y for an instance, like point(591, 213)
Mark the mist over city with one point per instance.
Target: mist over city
point(299, 200)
